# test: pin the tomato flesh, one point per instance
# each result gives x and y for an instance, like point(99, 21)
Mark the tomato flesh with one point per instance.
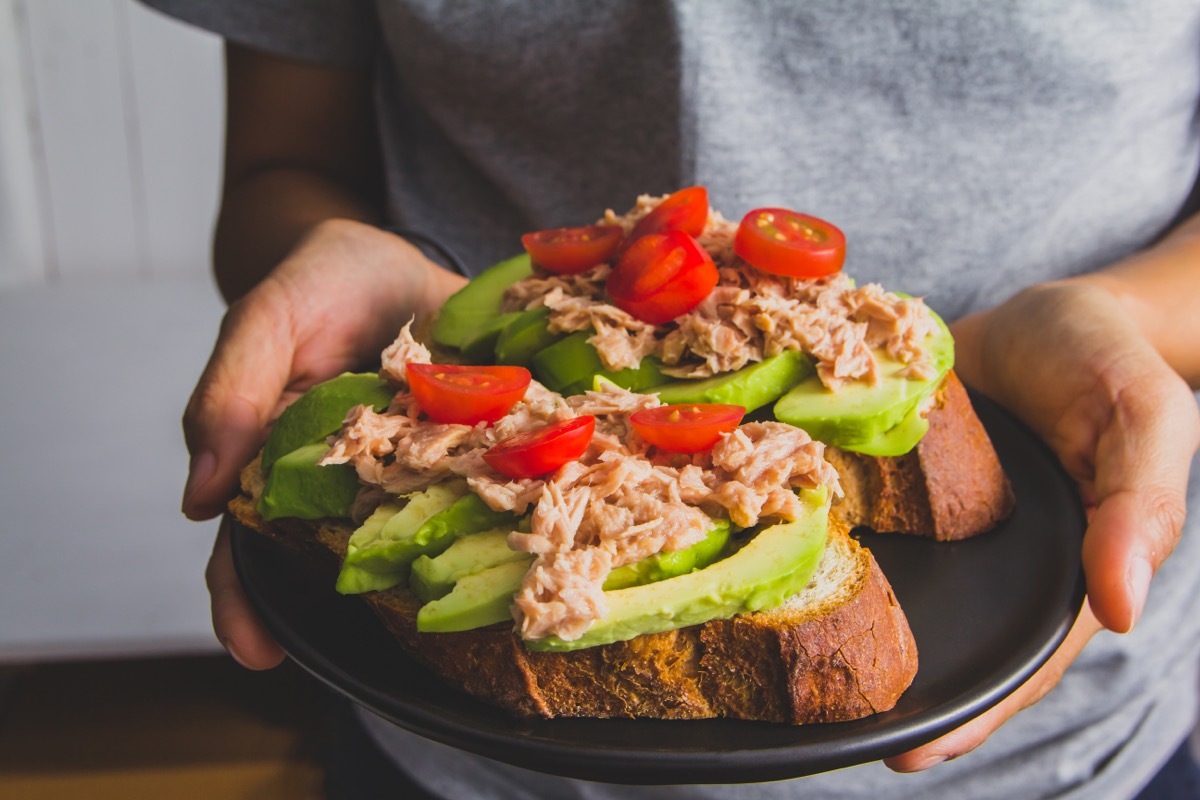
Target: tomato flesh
point(541, 451)
point(686, 428)
point(661, 276)
point(569, 250)
point(686, 210)
point(451, 393)
point(785, 242)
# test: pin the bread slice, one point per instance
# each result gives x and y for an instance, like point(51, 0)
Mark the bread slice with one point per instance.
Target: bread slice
point(839, 650)
point(950, 486)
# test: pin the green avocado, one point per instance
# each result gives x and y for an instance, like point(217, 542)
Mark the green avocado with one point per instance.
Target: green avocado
point(480, 347)
point(571, 365)
point(661, 566)
point(433, 577)
point(897, 441)
point(476, 304)
point(297, 487)
point(525, 337)
point(770, 568)
point(320, 411)
point(483, 594)
point(480, 599)
point(751, 386)
point(858, 412)
point(427, 524)
point(356, 580)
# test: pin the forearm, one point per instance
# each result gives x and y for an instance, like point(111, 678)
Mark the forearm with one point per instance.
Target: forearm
point(1160, 290)
point(266, 213)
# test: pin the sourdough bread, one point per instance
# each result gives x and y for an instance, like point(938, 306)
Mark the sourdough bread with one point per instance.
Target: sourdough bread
point(839, 650)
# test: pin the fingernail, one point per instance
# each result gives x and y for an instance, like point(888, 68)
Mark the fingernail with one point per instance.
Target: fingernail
point(931, 761)
point(228, 645)
point(200, 471)
point(1138, 580)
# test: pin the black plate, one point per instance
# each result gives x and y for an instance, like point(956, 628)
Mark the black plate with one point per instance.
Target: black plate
point(986, 613)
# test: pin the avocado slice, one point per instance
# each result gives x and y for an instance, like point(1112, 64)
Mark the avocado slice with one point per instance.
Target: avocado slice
point(859, 412)
point(770, 568)
point(297, 487)
point(428, 523)
point(480, 347)
point(751, 386)
point(571, 365)
point(525, 337)
point(434, 577)
point(480, 600)
point(319, 412)
point(476, 600)
point(661, 566)
point(897, 441)
point(356, 580)
point(477, 303)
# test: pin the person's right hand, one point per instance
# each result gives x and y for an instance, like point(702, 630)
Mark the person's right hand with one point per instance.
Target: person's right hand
point(332, 305)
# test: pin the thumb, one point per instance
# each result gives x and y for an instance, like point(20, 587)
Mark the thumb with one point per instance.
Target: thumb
point(1143, 455)
point(233, 402)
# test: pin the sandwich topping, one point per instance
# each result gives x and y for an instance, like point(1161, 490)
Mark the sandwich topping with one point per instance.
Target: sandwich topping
point(750, 315)
point(620, 501)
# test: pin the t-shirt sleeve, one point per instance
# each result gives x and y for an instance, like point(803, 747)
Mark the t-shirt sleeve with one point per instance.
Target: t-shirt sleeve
point(339, 33)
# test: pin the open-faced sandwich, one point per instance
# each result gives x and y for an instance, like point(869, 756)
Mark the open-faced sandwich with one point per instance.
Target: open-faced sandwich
point(619, 478)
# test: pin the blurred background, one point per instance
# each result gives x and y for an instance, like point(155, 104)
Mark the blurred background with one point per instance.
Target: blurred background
point(111, 682)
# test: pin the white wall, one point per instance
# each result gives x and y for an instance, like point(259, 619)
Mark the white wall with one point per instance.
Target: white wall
point(110, 127)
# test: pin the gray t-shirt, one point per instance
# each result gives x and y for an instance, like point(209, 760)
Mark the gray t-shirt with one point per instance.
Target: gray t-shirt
point(966, 152)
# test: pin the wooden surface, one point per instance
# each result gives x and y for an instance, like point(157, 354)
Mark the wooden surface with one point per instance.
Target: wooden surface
point(177, 728)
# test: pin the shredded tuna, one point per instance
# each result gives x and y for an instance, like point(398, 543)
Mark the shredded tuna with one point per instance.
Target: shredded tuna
point(749, 316)
point(623, 500)
point(405, 350)
point(757, 466)
point(562, 594)
point(365, 433)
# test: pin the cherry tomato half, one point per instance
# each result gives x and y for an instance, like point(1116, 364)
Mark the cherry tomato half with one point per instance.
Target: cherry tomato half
point(451, 393)
point(661, 276)
point(689, 428)
point(542, 450)
point(569, 250)
point(789, 243)
point(685, 210)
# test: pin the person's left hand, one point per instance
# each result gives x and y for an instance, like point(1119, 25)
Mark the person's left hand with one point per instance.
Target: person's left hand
point(1068, 361)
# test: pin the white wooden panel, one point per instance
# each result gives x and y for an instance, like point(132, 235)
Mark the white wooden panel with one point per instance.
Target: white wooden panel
point(22, 254)
point(178, 90)
point(91, 183)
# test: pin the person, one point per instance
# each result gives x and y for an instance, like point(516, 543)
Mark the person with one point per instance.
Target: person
point(1028, 170)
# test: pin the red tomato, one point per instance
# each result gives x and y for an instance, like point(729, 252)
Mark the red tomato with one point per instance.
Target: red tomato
point(688, 428)
point(685, 210)
point(466, 395)
point(570, 250)
point(543, 450)
point(661, 276)
point(788, 243)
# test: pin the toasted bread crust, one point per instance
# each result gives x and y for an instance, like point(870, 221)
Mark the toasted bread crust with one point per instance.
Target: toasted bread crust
point(950, 486)
point(836, 659)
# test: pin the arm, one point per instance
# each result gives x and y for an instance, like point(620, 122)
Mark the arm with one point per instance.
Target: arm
point(314, 291)
point(298, 150)
point(1101, 367)
point(1158, 289)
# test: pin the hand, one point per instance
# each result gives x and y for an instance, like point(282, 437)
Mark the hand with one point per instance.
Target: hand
point(1067, 360)
point(332, 305)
